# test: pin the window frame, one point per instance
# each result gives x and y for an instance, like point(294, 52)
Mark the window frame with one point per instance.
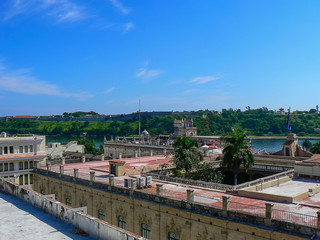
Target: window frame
point(101, 214)
point(122, 223)
point(146, 231)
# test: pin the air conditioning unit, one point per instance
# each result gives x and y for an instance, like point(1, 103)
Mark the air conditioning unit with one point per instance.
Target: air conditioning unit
point(141, 182)
point(127, 182)
point(149, 181)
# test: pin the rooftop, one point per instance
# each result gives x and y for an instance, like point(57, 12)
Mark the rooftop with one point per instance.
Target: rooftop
point(308, 205)
point(23, 221)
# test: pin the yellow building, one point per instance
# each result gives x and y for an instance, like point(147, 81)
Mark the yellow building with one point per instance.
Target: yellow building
point(154, 214)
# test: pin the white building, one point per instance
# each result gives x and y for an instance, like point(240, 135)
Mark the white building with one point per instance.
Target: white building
point(18, 155)
point(56, 150)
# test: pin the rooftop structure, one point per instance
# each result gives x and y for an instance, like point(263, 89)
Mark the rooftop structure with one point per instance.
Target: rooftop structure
point(24, 221)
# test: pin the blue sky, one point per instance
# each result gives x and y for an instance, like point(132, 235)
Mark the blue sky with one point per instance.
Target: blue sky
point(104, 55)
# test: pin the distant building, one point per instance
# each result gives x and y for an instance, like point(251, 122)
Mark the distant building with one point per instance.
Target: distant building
point(291, 148)
point(56, 150)
point(18, 156)
point(184, 128)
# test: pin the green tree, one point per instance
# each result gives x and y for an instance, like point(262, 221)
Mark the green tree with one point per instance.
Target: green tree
point(237, 152)
point(306, 144)
point(315, 148)
point(89, 146)
point(205, 172)
point(186, 153)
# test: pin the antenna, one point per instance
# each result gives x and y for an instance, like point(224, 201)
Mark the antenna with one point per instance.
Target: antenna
point(139, 119)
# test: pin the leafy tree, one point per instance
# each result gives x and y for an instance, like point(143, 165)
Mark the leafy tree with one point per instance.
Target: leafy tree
point(186, 153)
point(237, 152)
point(306, 144)
point(315, 148)
point(89, 146)
point(205, 172)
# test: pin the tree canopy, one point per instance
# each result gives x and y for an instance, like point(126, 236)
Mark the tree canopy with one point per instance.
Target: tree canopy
point(186, 153)
point(237, 152)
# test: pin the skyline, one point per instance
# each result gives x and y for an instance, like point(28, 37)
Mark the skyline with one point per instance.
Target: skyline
point(64, 56)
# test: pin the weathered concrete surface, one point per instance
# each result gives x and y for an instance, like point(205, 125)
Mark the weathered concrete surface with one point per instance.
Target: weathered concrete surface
point(87, 223)
point(20, 220)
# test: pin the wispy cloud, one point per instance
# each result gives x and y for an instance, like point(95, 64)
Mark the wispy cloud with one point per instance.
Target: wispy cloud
point(21, 81)
point(148, 74)
point(128, 27)
point(203, 80)
point(61, 10)
point(119, 5)
point(110, 90)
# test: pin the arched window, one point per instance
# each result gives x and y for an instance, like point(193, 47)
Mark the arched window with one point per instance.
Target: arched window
point(146, 231)
point(68, 202)
point(101, 214)
point(173, 236)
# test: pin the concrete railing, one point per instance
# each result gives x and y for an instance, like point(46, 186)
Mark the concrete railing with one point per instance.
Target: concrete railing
point(74, 216)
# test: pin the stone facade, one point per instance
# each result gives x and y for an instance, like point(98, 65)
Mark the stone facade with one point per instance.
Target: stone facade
point(184, 128)
point(161, 217)
point(291, 148)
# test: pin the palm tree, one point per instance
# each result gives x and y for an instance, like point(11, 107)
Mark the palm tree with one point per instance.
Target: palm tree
point(306, 144)
point(315, 148)
point(237, 152)
point(186, 153)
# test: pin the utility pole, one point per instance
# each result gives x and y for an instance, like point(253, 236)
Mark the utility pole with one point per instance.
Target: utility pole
point(139, 119)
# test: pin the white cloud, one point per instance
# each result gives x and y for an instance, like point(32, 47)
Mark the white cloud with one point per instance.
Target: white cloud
point(61, 10)
point(110, 90)
point(148, 74)
point(128, 27)
point(21, 81)
point(119, 5)
point(203, 80)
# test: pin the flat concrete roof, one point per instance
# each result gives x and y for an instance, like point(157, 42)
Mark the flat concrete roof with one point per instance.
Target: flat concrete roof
point(20, 220)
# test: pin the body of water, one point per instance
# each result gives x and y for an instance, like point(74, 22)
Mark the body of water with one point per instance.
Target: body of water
point(271, 145)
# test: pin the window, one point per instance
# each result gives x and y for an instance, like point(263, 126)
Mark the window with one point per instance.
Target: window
point(31, 164)
point(26, 165)
point(31, 179)
point(26, 179)
point(146, 231)
point(11, 149)
point(287, 151)
point(5, 150)
point(173, 236)
point(122, 222)
point(101, 215)
point(31, 148)
point(21, 179)
point(6, 167)
point(11, 166)
point(68, 202)
point(20, 149)
point(20, 165)
point(0, 150)
point(26, 149)
point(1, 167)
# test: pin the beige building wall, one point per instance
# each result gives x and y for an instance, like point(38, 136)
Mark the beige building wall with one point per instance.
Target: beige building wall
point(161, 219)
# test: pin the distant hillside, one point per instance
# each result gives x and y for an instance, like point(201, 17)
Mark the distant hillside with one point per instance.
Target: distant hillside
point(257, 122)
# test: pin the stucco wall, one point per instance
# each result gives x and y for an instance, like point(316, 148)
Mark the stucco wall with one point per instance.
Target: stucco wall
point(164, 215)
